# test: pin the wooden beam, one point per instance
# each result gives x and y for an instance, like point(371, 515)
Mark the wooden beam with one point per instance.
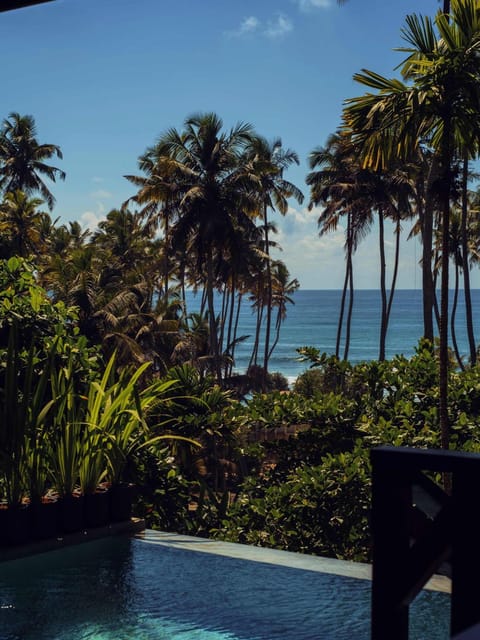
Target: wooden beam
point(9, 5)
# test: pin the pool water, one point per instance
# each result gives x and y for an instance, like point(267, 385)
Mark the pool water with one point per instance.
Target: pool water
point(125, 589)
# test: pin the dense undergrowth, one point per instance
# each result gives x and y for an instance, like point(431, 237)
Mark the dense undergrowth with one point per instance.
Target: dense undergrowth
point(289, 470)
point(310, 491)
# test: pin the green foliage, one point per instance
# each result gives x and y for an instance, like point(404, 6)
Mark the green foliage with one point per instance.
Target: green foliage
point(277, 409)
point(24, 407)
point(320, 510)
point(309, 383)
point(24, 302)
point(313, 494)
point(333, 371)
point(277, 381)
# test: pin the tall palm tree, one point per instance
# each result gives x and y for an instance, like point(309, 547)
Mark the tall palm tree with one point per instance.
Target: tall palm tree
point(265, 163)
point(441, 107)
point(212, 204)
point(330, 172)
point(283, 290)
point(23, 159)
point(159, 196)
point(338, 182)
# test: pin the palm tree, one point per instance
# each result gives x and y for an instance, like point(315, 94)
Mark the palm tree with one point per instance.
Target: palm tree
point(439, 107)
point(22, 159)
point(159, 195)
point(211, 202)
point(125, 239)
point(330, 172)
point(346, 189)
point(265, 163)
point(283, 290)
point(22, 223)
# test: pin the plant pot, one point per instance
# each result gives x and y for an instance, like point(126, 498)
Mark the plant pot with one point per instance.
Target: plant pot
point(121, 498)
point(71, 513)
point(14, 524)
point(44, 517)
point(3, 524)
point(97, 508)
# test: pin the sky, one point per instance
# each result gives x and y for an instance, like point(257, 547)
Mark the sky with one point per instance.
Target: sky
point(104, 78)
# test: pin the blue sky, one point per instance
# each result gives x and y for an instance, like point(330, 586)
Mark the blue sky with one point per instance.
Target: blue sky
point(103, 78)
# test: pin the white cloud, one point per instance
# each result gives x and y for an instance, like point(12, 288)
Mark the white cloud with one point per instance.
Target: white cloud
point(304, 216)
point(89, 220)
point(308, 5)
point(101, 194)
point(274, 28)
point(248, 26)
point(278, 27)
point(319, 261)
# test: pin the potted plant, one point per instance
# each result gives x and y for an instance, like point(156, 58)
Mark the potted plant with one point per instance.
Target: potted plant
point(22, 412)
point(127, 431)
point(92, 471)
point(64, 448)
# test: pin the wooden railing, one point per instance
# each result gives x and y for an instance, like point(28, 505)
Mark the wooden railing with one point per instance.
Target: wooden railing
point(9, 5)
point(417, 528)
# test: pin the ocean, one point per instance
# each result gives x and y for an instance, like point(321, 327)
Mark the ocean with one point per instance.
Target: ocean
point(312, 321)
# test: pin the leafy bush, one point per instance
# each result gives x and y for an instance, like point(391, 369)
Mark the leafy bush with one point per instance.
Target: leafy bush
point(309, 383)
point(320, 510)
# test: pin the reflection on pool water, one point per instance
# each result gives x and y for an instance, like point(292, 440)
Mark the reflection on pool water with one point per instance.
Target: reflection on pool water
point(126, 589)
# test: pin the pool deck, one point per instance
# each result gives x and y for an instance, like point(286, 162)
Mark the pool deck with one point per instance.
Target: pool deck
point(275, 556)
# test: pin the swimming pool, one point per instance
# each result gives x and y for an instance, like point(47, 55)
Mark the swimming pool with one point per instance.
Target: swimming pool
point(127, 589)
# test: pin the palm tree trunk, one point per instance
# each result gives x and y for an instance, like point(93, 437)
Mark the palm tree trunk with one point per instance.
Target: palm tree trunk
point(453, 317)
point(228, 366)
point(342, 312)
point(383, 289)
point(395, 268)
point(278, 325)
point(235, 327)
point(268, 321)
point(182, 287)
point(436, 308)
point(223, 317)
point(350, 298)
point(465, 266)
point(443, 349)
point(254, 356)
point(166, 240)
point(211, 317)
point(428, 288)
point(344, 290)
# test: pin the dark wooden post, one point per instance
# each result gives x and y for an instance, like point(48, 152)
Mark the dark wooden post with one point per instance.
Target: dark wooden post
point(403, 560)
point(465, 550)
point(391, 497)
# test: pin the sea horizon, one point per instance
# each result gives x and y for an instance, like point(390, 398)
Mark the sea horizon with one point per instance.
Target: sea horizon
point(312, 321)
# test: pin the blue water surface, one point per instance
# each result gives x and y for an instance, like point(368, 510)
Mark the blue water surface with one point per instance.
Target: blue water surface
point(312, 321)
point(120, 588)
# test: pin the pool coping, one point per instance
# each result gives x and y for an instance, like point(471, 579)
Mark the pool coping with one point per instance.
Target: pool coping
point(132, 526)
point(346, 568)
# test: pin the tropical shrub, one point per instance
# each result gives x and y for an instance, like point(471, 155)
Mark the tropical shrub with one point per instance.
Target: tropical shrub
point(309, 383)
point(321, 509)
